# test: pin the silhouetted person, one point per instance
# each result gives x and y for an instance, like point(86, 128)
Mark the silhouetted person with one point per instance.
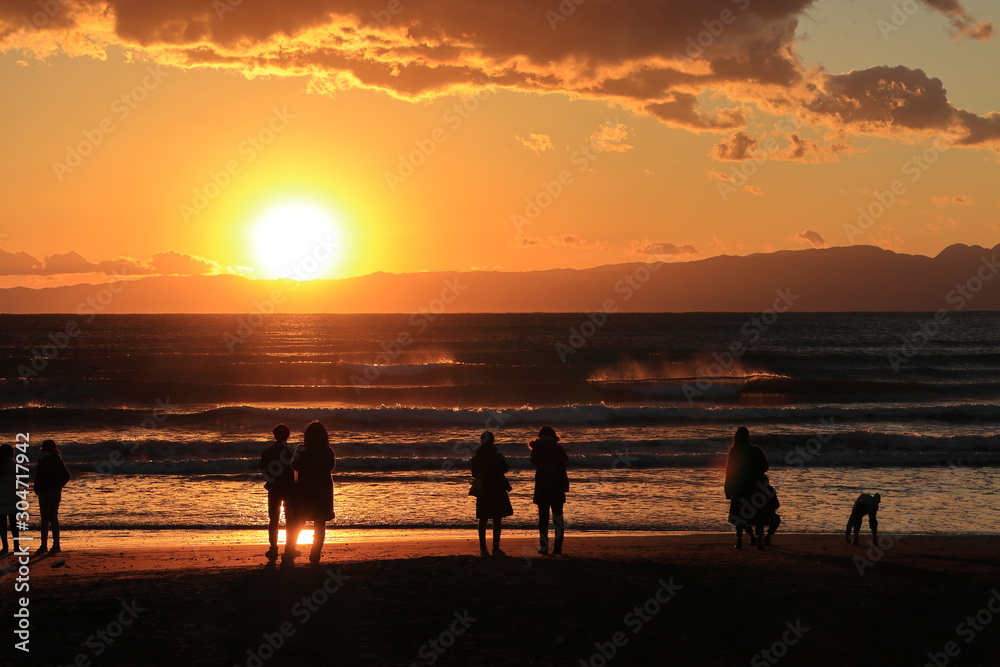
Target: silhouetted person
point(51, 475)
point(279, 480)
point(8, 496)
point(551, 485)
point(313, 462)
point(865, 504)
point(771, 518)
point(746, 487)
point(492, 502)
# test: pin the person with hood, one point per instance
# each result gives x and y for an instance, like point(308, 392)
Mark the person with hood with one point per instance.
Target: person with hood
point(313, 463)
point(51, 475)
point(551, 485)
point(746, 486)
point(490, 489)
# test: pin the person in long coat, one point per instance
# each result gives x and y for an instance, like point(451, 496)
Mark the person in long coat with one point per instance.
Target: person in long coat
point(492, 502)
point(746, 486)
point(313, 463)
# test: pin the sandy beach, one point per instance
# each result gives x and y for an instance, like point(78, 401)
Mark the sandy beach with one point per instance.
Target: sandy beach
point(628, 599)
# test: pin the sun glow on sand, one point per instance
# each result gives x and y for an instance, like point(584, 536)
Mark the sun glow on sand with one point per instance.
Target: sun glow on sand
point(298, 240)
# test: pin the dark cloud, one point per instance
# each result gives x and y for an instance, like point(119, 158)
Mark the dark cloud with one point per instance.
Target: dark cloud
point(651, 248)
point(739, 146)
point(961, 22)
point(711, 65)
point(811, 238)
point(163, 263)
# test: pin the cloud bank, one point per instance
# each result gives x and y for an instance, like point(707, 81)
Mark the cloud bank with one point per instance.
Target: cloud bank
point(707, 66)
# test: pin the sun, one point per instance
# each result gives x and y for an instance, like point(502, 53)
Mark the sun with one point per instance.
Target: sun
point(297, 240)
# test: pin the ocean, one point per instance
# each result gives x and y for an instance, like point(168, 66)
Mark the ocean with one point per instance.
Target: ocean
point(162, 418)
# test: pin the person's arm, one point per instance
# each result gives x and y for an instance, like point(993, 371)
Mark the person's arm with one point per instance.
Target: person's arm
point(502, 466)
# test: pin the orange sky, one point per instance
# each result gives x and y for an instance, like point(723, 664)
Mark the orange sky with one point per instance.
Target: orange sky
point(428, 141)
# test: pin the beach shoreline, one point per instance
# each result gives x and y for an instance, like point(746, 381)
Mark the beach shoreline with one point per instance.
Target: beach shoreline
point(384, 600)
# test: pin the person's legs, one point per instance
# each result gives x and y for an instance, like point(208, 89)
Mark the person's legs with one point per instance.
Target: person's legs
point(482, 536)
point(43, 523)
point(759, 525)
point(559, 523)
point(772, 526)
point(739, 535)
point(497, 529)
point(319, 536)
point(293, 526)
point(853, 523)
point(273, 520)
point(543, 528)
point(3, 532)
point(873, 524)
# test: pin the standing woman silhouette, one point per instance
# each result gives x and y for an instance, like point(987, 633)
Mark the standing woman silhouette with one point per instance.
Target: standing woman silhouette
point(492, 502)
point(313, 462)
point(745, 468)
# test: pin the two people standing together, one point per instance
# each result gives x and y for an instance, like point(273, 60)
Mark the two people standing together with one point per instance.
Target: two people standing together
point(301, 481)
point(489, 468)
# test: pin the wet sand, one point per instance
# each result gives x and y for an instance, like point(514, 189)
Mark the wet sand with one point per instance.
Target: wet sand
point(621, 599)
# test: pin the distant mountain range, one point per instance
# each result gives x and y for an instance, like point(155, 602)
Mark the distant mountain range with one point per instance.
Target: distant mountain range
point(853, 278)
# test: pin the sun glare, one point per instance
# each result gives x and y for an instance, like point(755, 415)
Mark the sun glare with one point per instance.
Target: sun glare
point(296, 240)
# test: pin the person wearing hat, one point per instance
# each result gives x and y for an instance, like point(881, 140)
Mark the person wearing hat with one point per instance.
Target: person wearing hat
point(551, 485)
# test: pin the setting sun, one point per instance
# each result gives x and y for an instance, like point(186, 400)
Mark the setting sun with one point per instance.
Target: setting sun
point(297, 240)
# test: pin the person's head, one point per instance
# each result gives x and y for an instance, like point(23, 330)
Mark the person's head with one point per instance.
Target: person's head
point(49, 446)
point(742, 437)
point(281, 433)
point(6, 453)
point(878, 498)
point(487, 439)
point(316, 435)
point(547, 433)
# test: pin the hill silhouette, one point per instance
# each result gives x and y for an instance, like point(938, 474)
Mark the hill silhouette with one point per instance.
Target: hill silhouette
point(852, 278)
